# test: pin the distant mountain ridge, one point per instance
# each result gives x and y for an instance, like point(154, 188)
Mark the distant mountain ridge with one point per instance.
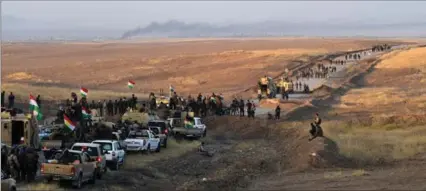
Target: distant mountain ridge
point(15, 28)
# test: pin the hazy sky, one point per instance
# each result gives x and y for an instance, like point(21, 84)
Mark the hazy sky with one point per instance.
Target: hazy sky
point(130, 14)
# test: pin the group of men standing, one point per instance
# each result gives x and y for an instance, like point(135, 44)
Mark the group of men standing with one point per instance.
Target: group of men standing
point(239, 107)
point(20, 162)
point(107, 108)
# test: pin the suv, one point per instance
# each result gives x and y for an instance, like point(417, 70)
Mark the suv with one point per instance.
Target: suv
point(96, 153)
point(114, 152)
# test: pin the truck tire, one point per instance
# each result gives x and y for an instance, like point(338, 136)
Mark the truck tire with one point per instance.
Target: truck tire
point(178, 136)
point(158, 148)
point(77, 183)
point(92, 180)
point(148, 149)
point(115, 166)
point(99, 173)
point(47, 180)
point(165, 143)
point(205, 133)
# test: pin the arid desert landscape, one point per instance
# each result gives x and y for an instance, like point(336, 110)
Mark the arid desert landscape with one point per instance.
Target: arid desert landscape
point(202, 65)
point(373, 115)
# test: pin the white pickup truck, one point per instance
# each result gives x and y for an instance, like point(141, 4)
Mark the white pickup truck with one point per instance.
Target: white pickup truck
point(178, 128)
point(143, 141)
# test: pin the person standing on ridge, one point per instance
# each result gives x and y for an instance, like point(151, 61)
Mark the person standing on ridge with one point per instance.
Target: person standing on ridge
point(277, 112)
point(316, 130)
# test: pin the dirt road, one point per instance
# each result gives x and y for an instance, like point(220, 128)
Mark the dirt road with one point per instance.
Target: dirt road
point(315, 83)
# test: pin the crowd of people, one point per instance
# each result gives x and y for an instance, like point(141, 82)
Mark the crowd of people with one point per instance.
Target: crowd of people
point(20, 162)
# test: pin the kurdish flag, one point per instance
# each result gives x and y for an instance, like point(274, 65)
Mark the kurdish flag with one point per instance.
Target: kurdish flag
point(84, 92)
point(188, 124)
point(131, 84)
point(85, 112)
point(68, 123)
point(213, 99)
point(35, 109)
point(172, 89)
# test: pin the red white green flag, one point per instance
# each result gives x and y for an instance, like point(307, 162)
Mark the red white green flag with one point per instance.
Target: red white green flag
point(35, 108)
point(131, 84)
point(68, 123)
point(84, 92)
point(85, 112)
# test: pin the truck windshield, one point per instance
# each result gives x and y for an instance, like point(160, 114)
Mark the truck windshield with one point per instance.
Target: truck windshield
point(92, 151)
point(105, 146)
point(51, 154)
point(162, 125)
point(69, 157)
point(155, 130)
point(142, 134)
point(176, 122)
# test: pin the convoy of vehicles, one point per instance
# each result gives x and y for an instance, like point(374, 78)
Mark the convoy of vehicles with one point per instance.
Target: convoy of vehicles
point(77, 162)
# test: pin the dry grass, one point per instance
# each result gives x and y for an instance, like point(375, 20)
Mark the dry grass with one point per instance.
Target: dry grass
point(360, 172)
point(382, 143)
point(378, 141)
point(56, 93)
point(387, 115)
point(413, 58)
point(173, 150)
point(398, 81)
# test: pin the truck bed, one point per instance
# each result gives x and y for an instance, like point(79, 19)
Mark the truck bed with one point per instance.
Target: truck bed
point(58, 169)
point(188, 131)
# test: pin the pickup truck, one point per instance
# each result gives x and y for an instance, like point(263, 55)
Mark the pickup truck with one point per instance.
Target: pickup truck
point(117, 136)
point(96, 153)
point(179, 130)
point(160, 128)
point(74, 166)
point(143, 141)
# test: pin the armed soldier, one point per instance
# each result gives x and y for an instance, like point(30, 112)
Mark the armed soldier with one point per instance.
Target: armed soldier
point(14, 165)
point(316, 130)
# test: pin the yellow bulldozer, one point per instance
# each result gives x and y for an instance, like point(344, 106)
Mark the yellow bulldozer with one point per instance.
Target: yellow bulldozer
point(267, 88)
point(285, 84)
point(162, 99)
point(20, 129)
